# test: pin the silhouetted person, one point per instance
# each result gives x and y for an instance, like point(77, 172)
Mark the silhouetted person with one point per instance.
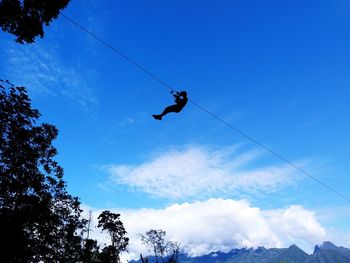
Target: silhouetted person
point(180, 100)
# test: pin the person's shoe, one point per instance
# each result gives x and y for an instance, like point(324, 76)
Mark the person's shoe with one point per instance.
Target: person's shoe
point(157, 117)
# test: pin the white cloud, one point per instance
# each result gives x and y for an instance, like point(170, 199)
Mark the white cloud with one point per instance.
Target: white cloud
point(296, 223)
point(338, 216)
point(221, 225)
point(197, 171)
point(42, 71)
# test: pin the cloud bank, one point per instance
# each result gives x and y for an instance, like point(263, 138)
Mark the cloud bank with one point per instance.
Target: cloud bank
point(197, 171)
point(221, 225)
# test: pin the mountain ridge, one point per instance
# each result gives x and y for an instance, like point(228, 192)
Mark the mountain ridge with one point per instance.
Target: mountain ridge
point(327, 252)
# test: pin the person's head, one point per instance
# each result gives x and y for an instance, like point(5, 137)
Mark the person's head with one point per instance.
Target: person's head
point(183, 93)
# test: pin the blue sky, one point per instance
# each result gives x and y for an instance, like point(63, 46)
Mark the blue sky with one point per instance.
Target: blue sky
point(277, 70)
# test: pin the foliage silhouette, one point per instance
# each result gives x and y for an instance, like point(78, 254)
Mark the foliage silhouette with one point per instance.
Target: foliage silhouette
point(111, 223)
point(167, 252)
point(25, 18)
point(38, 218)
point(90, 253)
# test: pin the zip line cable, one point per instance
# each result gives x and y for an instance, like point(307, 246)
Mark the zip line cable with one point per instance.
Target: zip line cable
point(271, 151)
point(123, 55)
point(119, 53)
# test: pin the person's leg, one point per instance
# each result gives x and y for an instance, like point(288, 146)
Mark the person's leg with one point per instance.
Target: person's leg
point(171, 108)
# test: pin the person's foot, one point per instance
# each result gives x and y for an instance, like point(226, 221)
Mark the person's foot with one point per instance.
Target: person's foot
point(157, 117)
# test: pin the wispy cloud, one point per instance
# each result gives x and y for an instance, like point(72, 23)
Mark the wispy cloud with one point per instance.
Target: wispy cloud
point(221, 225)
point(44, 73)
point(138, 118)
point(199, 171)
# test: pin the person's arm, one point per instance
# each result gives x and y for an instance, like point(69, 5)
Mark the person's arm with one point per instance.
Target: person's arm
point(180, 99)
point(176, 96)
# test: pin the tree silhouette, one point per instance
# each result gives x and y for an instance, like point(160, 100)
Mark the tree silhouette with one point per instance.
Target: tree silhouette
point(90, 251)
point(154, 239)
point(39, 220)
point(111, 223)
point(167, 252)
point(25, 18)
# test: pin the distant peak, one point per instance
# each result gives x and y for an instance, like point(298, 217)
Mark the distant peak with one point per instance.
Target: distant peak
point(325, 245)
point(294, 247)
point(295, 250)
point(328, 245)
